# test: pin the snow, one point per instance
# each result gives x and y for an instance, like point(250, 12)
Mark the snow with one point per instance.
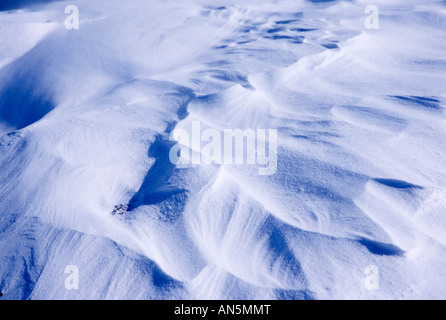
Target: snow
point(86, 120)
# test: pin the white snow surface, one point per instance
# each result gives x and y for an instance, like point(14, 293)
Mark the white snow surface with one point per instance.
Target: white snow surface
point(85, 118)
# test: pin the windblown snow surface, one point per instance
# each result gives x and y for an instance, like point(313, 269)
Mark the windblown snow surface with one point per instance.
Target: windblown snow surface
point(85, 119)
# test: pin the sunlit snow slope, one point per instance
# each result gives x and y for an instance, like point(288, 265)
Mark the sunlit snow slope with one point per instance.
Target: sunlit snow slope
point(85, 119)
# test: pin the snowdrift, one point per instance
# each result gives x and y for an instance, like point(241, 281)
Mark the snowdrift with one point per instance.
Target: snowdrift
point(85, 123)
